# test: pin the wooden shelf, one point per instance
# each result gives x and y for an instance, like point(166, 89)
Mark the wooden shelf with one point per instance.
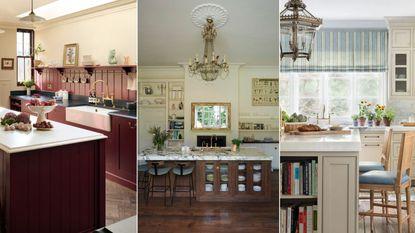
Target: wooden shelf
point(127, 69)
point(284, 196)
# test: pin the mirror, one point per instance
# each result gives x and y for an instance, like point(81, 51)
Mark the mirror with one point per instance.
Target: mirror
point(211, 116)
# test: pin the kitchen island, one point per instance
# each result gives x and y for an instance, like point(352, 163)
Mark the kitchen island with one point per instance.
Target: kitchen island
point(222, 175)
point(336, 194)
point(52, 181)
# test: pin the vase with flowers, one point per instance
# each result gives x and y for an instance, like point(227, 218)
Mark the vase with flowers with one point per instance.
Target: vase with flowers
point(363, 111)
point(159, 137)
point(370, 118)
point(379, 111)
point(388, 116)
point(354, 118)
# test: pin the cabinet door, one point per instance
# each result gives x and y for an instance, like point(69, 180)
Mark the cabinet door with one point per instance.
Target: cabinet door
point(339, 194)
point(401, 38)
point(127, 148)
point(400, 73)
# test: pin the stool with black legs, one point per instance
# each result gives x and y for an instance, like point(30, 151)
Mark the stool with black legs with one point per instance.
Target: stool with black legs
point(183, 169)
point(143, 181)
point(158, 170)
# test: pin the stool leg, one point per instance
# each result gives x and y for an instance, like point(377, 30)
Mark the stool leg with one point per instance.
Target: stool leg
point(408, 207)
point(165, 190)
point(398, 209)
point(174, 189)
point(190, 190)
point(386, 197)
point(193, 186)
point(147, 186)
point(371, 209)
point(169, 184)
point(152, 185)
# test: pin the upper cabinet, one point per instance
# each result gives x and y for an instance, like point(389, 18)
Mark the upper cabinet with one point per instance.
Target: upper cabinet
point(401, 68)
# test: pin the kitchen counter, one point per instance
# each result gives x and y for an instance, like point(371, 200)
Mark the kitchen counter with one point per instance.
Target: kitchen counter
point(61, 134)
point(124, 113)
point(321, 143)
point(379, 129)
point(244, 154)
point(63, 103)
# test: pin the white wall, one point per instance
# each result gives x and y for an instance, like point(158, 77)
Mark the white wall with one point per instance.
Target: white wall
point(96, 33)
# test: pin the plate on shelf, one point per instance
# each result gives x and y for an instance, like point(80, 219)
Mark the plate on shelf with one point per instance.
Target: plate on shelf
point(209, 177)
point(224, 177)
point(257, 188)
point(208, 187)
point(257, 177)
point(257, 167)
point(209, 166)
point(241, 188)
point(241, 178)
point(241, 167)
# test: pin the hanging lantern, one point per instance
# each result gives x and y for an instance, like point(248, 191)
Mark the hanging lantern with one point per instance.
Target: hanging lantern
point(298, 28)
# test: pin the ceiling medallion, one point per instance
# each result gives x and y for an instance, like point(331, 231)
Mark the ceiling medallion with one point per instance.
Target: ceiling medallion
point(209, 17)
point(298, 28)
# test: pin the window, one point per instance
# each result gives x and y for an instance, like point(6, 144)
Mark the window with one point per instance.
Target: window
point(339, 93)
point(24, 55)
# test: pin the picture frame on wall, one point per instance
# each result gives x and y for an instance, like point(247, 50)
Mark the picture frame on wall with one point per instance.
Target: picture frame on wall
point(70, 54)
point(7, 63)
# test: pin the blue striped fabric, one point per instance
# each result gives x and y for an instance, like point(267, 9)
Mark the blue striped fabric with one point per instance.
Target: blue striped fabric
point(344, 50)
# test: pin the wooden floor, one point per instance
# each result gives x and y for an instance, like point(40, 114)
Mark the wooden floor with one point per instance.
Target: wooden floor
point(208, 217)
point(380, 225)
point(120, 202)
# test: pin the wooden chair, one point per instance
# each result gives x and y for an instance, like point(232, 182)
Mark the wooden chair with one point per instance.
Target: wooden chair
point(159, 170)
point(183, 169)
point(389, 181)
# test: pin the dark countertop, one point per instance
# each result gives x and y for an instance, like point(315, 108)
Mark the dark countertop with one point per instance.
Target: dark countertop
point(64, 103)
point(125, 113)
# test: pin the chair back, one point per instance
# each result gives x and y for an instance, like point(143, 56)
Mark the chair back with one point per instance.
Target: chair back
point(156, 165)
point(405, 157)
point(181, 166)
point(386, 148)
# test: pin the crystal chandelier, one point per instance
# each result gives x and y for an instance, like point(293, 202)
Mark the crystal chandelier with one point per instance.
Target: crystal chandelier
point(210, 67)
point(298, 28)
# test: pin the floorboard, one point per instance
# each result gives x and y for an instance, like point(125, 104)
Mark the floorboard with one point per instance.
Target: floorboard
point(120, 202)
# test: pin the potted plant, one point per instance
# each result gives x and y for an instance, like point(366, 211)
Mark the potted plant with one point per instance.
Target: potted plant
point(363, 110)
point(37, 51)
point(354, 118)
point(159, 137)
point(388, 116)
point(370, 117)
point(28, 84)
point(379, 111)
point(236, 144)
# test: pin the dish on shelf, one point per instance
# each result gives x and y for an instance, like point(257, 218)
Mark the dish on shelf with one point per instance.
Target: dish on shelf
point(224, 177)
point(257, 167)
point(241, 167)
point(257, 188)
point(209, 166)
point(224, 187)
point(241, 178)
point(209, 177)
point(241, 188)
point(257, 177)
point(208, 187)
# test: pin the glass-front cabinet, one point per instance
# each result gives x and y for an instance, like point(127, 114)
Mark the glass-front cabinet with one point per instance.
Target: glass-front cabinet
point(401, 74)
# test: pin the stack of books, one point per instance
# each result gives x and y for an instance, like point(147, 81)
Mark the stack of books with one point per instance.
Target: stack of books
point(299, 219)
point(299, 178)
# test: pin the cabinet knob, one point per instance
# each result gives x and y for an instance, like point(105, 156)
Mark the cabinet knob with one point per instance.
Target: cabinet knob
point(131, 125)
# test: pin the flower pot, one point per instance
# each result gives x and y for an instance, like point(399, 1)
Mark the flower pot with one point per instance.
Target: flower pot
point(355, 123)
point(37, 63)
point(362, 121)
point(377, 122)
point(28, 91)
point(370, 123)
point(386, 121)
point(234, 148)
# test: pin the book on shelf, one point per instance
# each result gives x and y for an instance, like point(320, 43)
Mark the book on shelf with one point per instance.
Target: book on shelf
point(299, 219)
point(299, 178)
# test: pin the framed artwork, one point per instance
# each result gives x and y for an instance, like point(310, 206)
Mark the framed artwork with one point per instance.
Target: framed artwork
point(7, 63)
point(70, 55)
point(265, 92)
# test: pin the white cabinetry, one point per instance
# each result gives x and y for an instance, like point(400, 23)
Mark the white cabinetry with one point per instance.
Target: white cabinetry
point(270, 149)
point(401, 37)
point(371, 146)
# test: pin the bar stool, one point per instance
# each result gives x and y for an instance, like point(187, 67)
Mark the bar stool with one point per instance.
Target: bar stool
point(183, 169)
point(158, 170)
point(143, 180)
point(384, 181)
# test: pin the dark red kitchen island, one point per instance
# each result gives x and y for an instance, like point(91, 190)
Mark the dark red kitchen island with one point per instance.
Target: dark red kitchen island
point(52, 181)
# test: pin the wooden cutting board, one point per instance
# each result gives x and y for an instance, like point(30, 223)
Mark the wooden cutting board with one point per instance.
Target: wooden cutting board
point(323, 132)
point(409, 124)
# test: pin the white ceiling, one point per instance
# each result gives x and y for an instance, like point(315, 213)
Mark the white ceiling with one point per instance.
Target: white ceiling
point(167, 36)
point(358, 9)
point(11, 8)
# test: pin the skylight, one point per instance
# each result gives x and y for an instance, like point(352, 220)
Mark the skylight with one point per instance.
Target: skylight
point(65, 7)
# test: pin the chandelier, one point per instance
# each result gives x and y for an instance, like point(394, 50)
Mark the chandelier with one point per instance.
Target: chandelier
point(298, 28)
point(210, 67)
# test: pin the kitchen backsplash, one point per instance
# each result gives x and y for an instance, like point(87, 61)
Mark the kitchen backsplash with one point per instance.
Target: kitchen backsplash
point(403, 108)
point(51, 80)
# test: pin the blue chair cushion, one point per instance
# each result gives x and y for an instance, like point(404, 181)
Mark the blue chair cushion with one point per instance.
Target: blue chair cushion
point(142, 168)
point(160, 171)
point(367, 166)
point(380, 177)
point(186, 171)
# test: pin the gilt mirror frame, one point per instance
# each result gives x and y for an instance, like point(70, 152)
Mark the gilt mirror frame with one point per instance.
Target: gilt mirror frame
point(225, 104)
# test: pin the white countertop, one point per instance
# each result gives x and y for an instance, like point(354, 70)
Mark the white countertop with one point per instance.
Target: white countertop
point(244, 154)
point(19, 141)
point(321, 143)
point(128, 225)
point(380, 129)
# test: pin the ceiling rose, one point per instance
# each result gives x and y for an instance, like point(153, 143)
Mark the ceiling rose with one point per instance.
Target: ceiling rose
point(209, 10)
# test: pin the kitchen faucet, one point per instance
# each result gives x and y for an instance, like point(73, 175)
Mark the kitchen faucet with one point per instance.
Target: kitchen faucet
point(323, 118)
point(211, 140)
point(105, 96)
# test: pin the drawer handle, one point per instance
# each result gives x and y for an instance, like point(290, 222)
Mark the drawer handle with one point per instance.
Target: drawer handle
point(372, 136)
point(372, 144)
point(131, 125)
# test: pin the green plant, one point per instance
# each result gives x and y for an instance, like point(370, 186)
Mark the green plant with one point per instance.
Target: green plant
point(293, 118)
point(364, 108)
point(28, 83)
point(159, 136)
point(355, 117)
point(389, 114)
point(38, 50)
point(370, 115)
point(379, 111)
point(237, 142)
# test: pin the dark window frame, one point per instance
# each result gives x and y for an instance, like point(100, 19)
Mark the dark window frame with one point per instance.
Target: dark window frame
point(31, 56)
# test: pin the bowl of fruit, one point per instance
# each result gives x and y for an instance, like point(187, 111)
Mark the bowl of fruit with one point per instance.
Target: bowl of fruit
point(44, 126)
point(11, 121)
point(40, 108)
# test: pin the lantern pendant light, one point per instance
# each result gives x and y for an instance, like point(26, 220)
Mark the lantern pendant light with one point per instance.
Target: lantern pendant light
point(298, 28)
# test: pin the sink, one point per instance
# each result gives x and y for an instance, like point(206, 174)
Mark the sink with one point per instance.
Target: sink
point(212, 149)
point(94, 117)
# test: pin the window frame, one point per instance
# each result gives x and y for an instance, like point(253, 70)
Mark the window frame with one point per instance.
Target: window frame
point(31, 56)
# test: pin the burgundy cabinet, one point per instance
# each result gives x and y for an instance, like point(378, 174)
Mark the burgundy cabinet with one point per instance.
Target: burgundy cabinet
point(121, 159)
point(58, 114)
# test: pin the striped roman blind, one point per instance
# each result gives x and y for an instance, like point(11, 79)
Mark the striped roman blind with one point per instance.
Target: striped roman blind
point(344, 50)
